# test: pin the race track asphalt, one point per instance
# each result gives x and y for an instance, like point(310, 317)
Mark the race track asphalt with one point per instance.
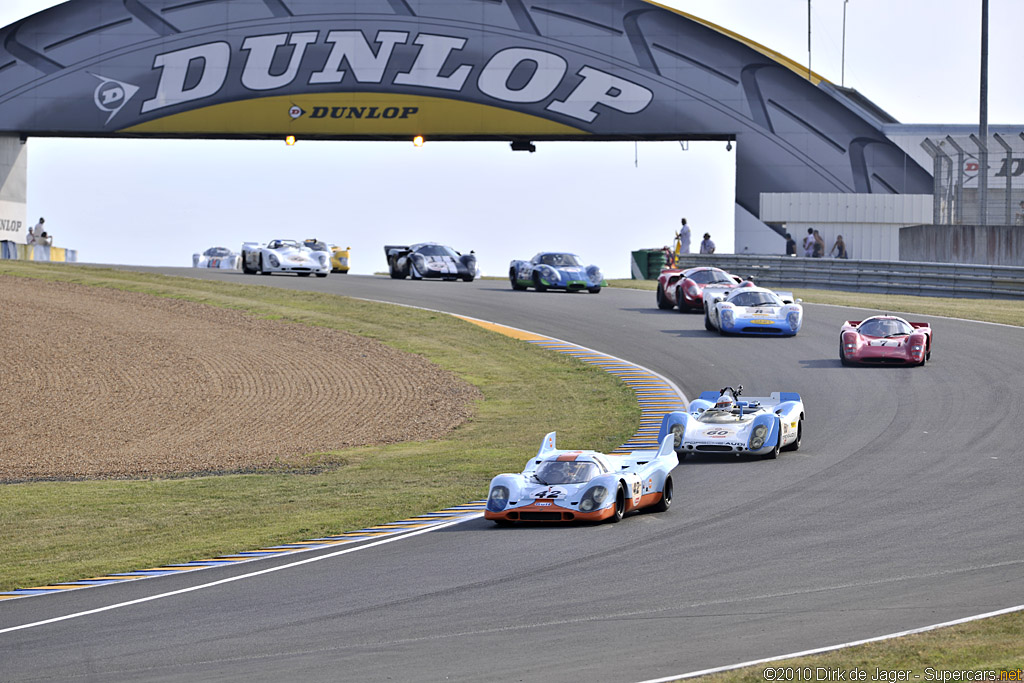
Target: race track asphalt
point(902, 509)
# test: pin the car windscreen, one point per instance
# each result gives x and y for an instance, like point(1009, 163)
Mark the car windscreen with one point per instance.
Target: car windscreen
point(559, 260)
point(711, 276)
point(437, 250)
point(217, 252)
point(755, 299)
point(884, 327)
point(316, 246)
point(566, 472)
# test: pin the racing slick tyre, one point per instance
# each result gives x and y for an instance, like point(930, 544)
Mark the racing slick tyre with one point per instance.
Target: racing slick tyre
point(467, 278)
point(620, 504)
point(537, 284)
point(594, 290)
point(514, 282)
point(321, 274)
point(245, 267)
point(666, 497)
point(263, 270)
point(393, 270)
point(842, 353)
point(795, 446)
point(707, 322)
point(303, 274)
point(663, 302)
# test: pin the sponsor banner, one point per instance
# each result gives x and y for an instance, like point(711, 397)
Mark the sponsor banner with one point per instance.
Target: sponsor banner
point(13, 221)
point(353, 115)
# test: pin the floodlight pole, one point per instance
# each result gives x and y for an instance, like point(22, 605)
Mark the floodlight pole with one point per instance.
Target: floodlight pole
point(983, 119)
point(842, 72)
point(808, 39)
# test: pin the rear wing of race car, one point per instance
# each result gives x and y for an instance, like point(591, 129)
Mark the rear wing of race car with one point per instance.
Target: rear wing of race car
point(918, 326)
point(396, 249)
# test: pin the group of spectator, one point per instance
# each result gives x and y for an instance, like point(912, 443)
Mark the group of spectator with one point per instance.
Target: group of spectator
point(814, 245)
point(38, 236)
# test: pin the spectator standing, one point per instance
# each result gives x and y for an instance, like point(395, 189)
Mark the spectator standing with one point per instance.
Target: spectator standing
point(44, 239)
point(30, 239)
point(684, 239)
point(819, 245)
point(707, 246)
point(839, 248)
point(790, 245)
point(809, 242)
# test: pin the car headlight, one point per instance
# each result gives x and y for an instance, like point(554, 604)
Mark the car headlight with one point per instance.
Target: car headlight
point(794, 320)
point(551, 275)
point(323, 259)
point(692, 290)
point(758, 437)
point(596, 276)
point(498, 499)
point(727, 319)
point(677, 437)
point(273, 261)
point(593, 498)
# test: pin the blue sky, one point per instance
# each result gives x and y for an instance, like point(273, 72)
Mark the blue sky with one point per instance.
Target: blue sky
point(153, 202)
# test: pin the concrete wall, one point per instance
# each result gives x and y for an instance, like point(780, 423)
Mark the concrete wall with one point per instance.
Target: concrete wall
point(13, 189)
point(995, 245)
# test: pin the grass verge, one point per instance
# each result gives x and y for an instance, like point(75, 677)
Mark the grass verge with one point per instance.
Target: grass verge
point(60, 531)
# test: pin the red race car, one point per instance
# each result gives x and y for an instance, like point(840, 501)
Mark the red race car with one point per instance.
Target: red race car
point(684, 289)
point(885, 340)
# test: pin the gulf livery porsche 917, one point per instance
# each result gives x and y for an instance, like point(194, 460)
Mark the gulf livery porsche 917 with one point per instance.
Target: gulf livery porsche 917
point(885, 340)
point(684, 289)
point(748, 309)
point(216, 257)
point(565, 486)
point(555, 270)
point(720, 422)
point(430, 260)
point(284, 256)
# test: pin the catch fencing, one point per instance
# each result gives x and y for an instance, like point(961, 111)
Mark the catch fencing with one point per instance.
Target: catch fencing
point(879, 277)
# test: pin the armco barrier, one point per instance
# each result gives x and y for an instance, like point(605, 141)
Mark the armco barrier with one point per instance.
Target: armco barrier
point(880, 277)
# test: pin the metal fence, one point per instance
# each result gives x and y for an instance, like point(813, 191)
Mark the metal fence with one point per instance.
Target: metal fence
point(880, 277)
point(977, 182)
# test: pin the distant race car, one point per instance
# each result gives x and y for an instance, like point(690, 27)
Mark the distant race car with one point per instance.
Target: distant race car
point(430, 260)
point(684, 289)
point(720, 422)
point(284, 256)
point(565, 486)
point(217, 257)
point(555, 270)
point(885, 339)
point(339, 259)
point(748, 309)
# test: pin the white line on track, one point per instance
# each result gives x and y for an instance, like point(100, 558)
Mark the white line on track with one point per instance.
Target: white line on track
point(242, 576)
point(831, 648)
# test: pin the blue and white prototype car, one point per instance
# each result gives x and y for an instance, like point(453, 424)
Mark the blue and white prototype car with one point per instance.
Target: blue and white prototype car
point(555, 270)
point(566, 486)
point(430, 260)
point(722, 422)
point(284, 256)
point(748, 309)
point(220, 258)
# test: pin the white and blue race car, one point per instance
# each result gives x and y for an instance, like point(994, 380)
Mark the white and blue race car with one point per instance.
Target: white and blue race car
point(565, 486)
point(555, 270)
point(284, 256)
point(220, 258)
point(748, 309)
point(720, 422)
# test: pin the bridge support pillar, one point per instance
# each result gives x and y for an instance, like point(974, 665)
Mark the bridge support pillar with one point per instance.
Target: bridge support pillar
point(13, 189)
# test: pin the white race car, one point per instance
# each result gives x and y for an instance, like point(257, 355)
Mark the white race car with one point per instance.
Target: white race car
point(564, 486)
point(284, 256)
point(748, 309)
point(217, 257)
point(720, 422)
